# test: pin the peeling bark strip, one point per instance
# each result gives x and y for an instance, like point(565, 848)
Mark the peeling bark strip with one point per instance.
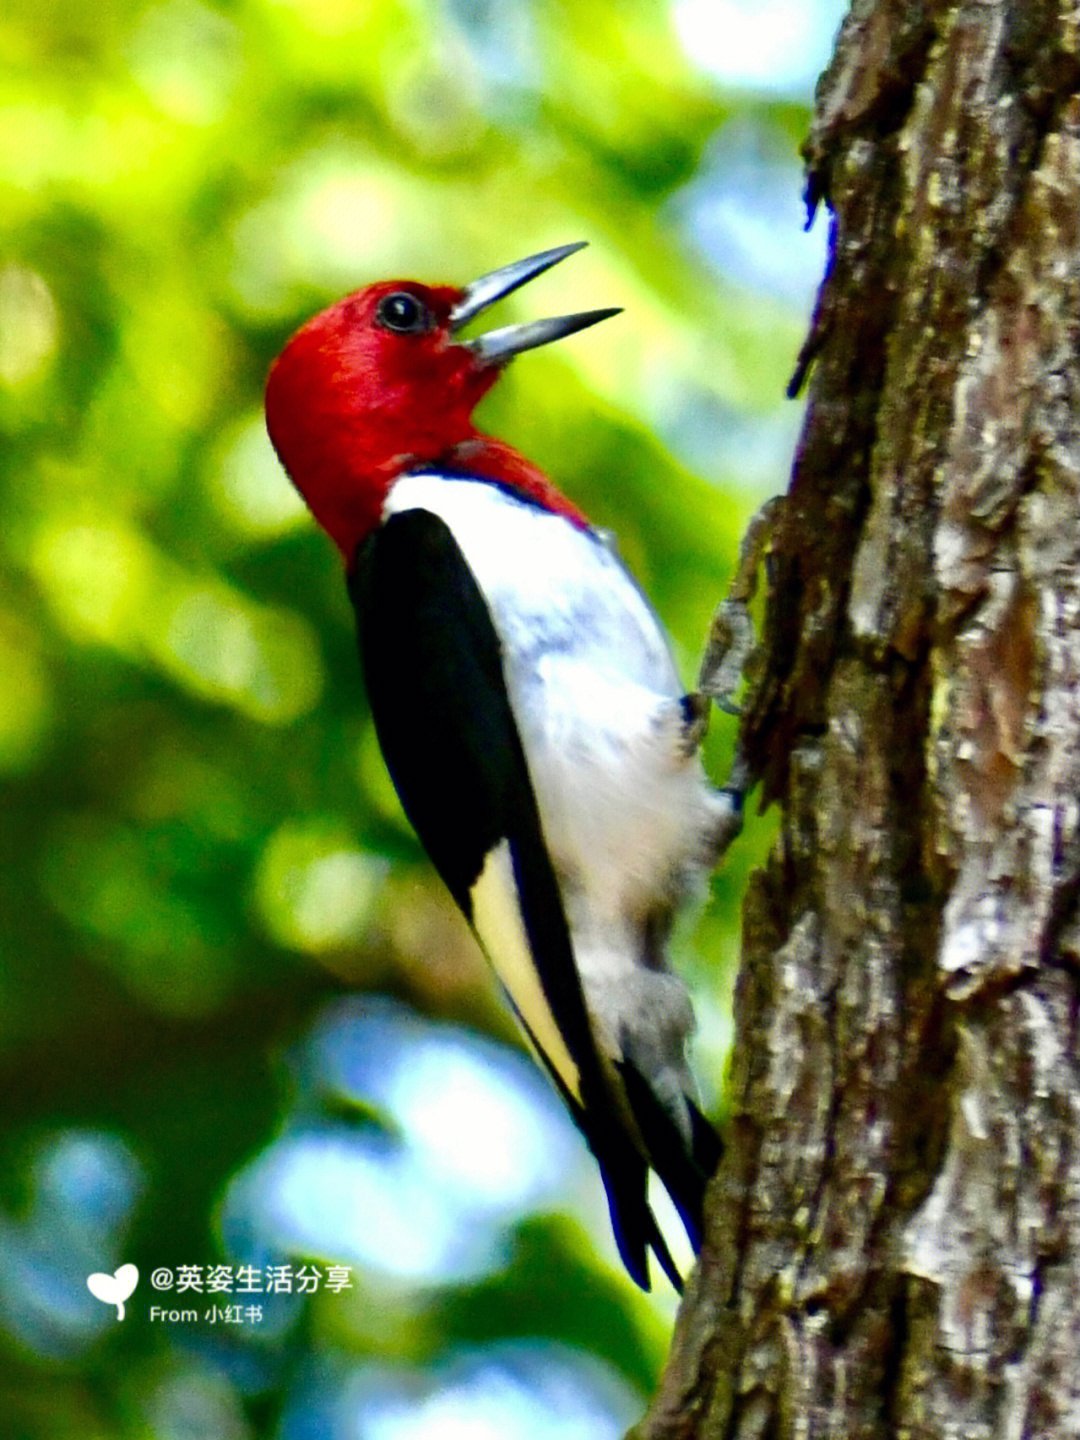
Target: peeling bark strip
point(895, 1234)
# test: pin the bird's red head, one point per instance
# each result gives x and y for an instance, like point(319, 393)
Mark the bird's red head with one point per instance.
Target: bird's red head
point(378, 385)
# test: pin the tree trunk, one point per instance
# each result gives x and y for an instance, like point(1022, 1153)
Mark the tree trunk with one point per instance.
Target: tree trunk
point(894, 1237)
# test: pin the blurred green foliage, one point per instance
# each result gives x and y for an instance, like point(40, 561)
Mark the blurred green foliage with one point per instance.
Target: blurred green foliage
point(199, 845)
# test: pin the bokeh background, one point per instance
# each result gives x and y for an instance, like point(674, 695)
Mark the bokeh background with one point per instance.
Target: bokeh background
point(239, 1022)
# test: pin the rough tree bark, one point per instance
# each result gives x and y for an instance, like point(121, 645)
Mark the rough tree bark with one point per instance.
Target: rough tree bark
point(894, 1238)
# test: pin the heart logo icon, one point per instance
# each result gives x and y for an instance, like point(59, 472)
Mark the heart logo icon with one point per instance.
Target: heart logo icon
point(114, 1289)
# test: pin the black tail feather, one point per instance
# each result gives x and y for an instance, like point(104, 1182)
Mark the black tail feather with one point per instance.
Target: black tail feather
point(636, 1232)
point(705, 1145)
point(684, 1171)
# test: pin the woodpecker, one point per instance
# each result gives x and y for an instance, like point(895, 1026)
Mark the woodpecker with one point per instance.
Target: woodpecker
point(528, 709)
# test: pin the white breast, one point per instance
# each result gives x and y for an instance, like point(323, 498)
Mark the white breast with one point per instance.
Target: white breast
point(552, 587)
point(594, 691)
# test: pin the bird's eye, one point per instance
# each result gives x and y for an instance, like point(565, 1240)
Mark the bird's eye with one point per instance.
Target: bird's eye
point(403, 313)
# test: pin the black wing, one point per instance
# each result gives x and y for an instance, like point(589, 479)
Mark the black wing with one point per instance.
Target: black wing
point(433, 669)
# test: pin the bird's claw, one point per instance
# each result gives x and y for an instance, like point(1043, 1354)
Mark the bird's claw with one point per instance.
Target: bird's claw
point(729, 646)
point(731, 640)
point(695, 709)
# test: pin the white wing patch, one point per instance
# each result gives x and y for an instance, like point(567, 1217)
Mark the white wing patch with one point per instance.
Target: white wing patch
point(500, 928)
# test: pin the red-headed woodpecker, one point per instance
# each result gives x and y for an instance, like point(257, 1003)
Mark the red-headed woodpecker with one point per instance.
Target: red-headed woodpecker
point(528, 710)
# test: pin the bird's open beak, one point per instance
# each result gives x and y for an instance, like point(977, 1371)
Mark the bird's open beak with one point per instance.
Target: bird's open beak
point(498, 346)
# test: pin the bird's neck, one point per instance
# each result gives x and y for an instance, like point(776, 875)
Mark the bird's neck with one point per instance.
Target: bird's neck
point(492, 459)
point(347, 493)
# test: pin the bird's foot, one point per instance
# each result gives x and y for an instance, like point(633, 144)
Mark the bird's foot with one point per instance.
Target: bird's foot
point(695, 722)
point(728, 810)
point(731, 640)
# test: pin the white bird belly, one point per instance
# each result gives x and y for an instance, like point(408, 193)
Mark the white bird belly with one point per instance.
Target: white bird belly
point(594, 692)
